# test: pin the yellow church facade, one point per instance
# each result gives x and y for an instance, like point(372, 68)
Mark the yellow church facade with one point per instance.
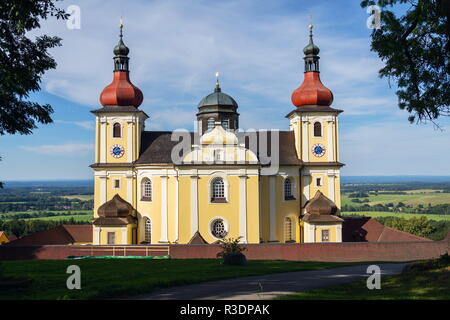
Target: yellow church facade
point(163, 187)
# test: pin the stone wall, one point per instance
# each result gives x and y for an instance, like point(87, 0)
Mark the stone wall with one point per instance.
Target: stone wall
point(332, 252)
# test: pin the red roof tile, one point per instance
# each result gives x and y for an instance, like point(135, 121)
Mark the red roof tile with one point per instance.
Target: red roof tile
point(64, 234)
point(370, 230)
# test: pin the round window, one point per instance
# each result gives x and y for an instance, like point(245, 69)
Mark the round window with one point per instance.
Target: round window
point(218, 229)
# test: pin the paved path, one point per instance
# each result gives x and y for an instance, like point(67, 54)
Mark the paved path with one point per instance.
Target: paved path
point(268, 286)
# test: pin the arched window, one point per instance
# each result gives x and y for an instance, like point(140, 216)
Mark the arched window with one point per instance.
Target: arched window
point(146, 190)
point(288, 194)
point(317, 129)
point(225, 124)
point(148, 230)
point(219, 229)
point(210, 123)
point(218, 190)
point(288, 230)
point(117, 130)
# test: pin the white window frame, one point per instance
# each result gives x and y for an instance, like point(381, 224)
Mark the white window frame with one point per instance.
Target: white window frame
point(226, 187)
point(147, 220)
point(226, 226)
point(143, 183)
point(220, 193)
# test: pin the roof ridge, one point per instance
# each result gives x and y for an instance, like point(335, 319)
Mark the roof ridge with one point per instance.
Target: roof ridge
point(408, 233)
point(67, 232)
point(381, 233)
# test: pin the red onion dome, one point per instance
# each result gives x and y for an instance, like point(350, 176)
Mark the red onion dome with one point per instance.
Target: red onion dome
point(121, 92)
point(312, 91)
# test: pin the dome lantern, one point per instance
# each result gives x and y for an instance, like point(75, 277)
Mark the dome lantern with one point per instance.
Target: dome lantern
point(121, 52)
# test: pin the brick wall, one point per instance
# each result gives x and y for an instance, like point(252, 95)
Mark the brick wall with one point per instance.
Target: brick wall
point(356, 251)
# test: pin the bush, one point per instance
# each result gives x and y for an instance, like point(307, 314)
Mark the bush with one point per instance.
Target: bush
point(232, 252)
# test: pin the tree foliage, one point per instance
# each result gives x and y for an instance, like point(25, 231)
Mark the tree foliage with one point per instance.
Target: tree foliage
point(23, 61)
point(21, 228)
point(415, 47)
point(419, 226)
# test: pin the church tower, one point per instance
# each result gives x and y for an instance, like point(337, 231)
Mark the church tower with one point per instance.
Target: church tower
point(315, 126)
point(119, 125)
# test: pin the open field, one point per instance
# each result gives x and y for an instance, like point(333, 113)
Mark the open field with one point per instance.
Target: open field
point(375, 214)
point(426, 280)
point(57, 212)
point(114, 278)
point(81, 197)
point(58, 215)
point(414, 198)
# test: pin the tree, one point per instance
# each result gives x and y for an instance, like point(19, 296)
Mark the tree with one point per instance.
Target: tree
point(415, 47)
point(419, 226)
point(23, 61)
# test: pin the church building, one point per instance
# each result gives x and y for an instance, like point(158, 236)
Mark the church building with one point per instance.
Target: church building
point(149, 190)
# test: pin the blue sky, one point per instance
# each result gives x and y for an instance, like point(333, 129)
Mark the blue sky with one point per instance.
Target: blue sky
point(176, 48)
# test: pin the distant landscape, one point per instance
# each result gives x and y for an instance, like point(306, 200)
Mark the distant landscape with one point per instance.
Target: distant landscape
point(416, 204)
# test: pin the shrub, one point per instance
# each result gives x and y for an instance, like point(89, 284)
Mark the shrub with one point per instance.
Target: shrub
point(232, 252)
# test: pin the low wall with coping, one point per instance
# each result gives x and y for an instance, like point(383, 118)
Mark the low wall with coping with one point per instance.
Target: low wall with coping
point(330, 252)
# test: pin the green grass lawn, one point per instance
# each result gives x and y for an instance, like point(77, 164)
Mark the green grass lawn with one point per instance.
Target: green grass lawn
point(427, 280)
point(414, 198)
point(375, 214)
point(115, 278)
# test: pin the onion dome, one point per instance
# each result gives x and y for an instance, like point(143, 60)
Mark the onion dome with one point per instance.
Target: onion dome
point(218, 98)
point(121, 92)
point(121, 49)
point(312, 91)
point(321, 205)
point(321, 209)
point(116, 207)
point(311, 48)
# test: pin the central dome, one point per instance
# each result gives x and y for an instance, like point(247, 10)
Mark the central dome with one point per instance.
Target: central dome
point(218, 98)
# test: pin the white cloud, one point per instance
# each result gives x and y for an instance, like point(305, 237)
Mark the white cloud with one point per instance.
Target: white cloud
point(176, 46)
point(67, 149)
point(88, 125)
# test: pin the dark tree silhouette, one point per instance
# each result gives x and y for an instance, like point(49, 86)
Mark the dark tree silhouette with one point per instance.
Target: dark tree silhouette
point(23, 61)
point(414, 44)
